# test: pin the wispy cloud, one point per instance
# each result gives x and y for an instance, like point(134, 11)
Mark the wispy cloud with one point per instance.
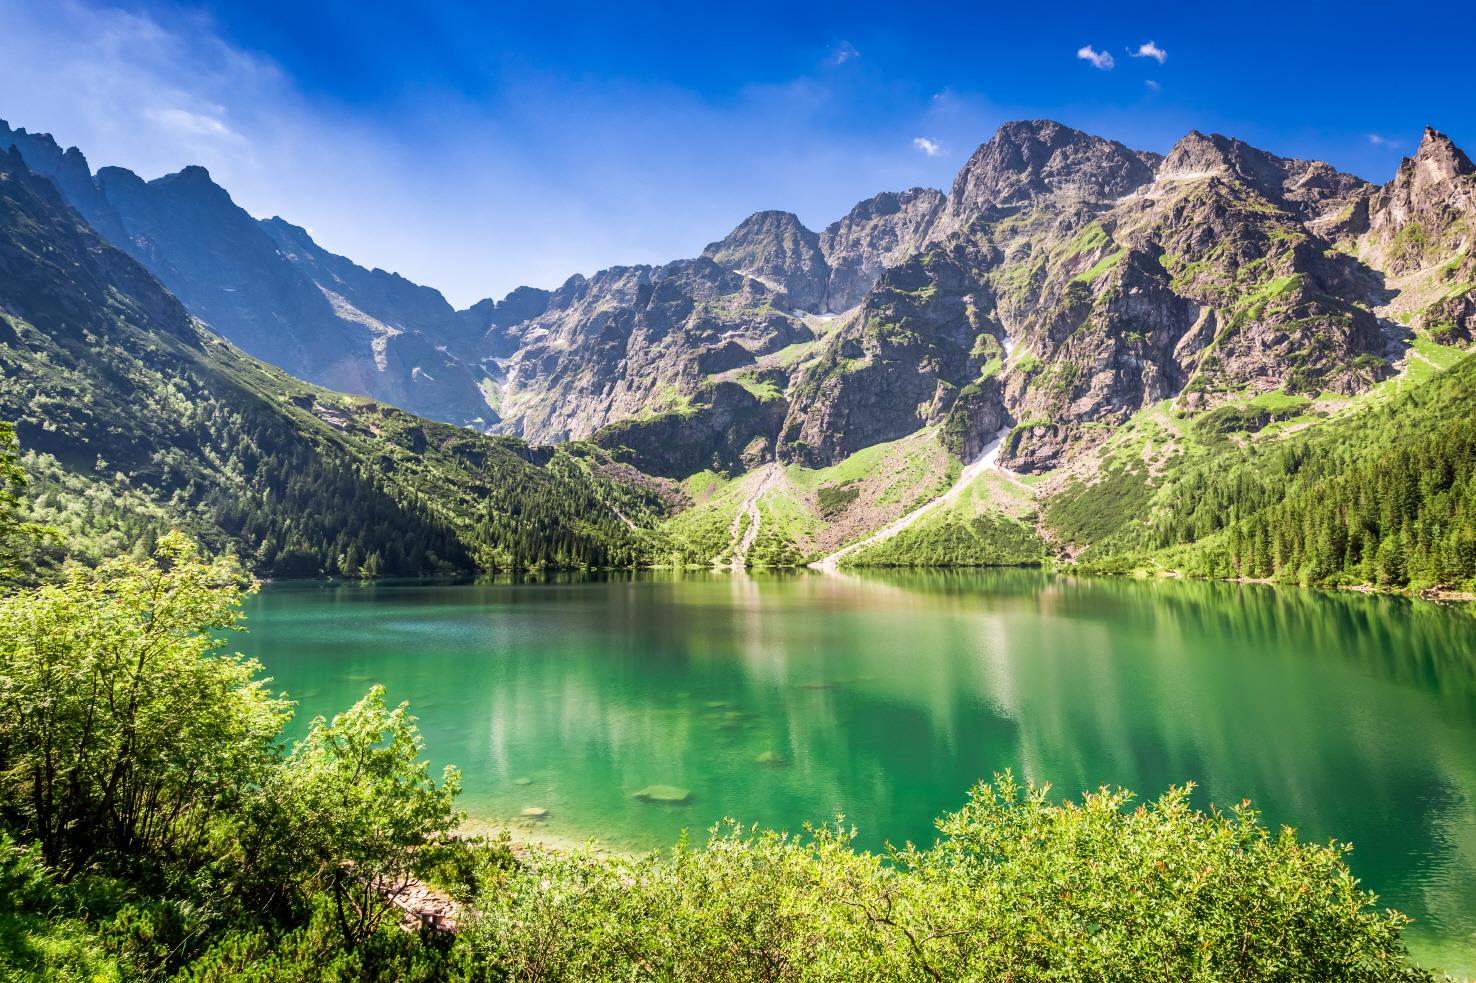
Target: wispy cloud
point(842, 52)
point(194, 124)
point(1383, 141)
point(1150, 50)
point(1152, 86)
point(930, 147)
point(1097, 59)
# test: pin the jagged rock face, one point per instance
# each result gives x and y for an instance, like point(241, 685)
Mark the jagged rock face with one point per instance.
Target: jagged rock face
point(1452, 320)
point(1112, 287)
point(776, 249)
point(977, 415)
point(924, 333)
point(229, 272)
point(1199, 288)
point(490, 328)
point(1427, 212)
point(635, 340)
point(879, 232)
point(69, 171)
point(1036, 159)
point(386, 296)
point(1311, 190)
point(725, 428)
point(1107, 346)
point(420, 353)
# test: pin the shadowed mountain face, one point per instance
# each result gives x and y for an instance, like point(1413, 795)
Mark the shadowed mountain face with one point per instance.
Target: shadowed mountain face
point(268, 288)
point(1065, 283)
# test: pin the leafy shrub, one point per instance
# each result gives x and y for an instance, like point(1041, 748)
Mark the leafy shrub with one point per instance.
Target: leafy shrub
point(1017, 888)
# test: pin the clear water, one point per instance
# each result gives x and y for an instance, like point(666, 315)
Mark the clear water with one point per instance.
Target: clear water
point(885, 697)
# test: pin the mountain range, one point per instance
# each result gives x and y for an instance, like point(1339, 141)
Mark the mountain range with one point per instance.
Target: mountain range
point(965, 367)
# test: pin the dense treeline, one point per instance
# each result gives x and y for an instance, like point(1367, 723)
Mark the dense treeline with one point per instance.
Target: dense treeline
point(1402, 517)
point(1384, 497)
point(141, 420)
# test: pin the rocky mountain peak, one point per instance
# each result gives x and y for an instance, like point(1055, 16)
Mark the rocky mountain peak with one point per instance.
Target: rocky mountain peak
point(196, 182)
point(1199, 154)
point(68, 170)
point(776, 248)
point(1032, 159)
point(1422, 217)
point(1438, 159)
point(879, 232)
point(1309, 189)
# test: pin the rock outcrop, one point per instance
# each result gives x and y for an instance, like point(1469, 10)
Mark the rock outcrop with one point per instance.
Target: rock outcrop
point(879, 232)
point(776, 249)
point(723, 427)
point(1036, 159)
point(924, 332)
point(1428, 211)
point(632, 341)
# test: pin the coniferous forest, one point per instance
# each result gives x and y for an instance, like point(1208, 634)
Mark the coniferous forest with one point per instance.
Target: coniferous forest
point(1384, 498)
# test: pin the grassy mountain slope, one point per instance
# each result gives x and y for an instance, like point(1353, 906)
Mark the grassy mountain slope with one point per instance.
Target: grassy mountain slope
point(807, 513)
point(1378, 490)
point(137, 419)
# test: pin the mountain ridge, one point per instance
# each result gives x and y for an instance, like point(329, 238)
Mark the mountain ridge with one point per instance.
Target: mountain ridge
point(1065, 286)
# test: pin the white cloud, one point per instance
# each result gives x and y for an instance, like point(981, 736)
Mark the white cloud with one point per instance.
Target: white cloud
point(1152, 86)
point(1382, 141)
point(930, 147)
point(1098, 59)
point(842, 52)
point(1150, 50)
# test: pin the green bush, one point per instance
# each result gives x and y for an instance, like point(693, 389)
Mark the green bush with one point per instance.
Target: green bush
point(1017, 888)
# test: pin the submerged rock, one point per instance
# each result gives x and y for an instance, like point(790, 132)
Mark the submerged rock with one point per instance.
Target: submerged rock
point(770, 758)
point(665, 794)
point(535, 812)
point(522, 780)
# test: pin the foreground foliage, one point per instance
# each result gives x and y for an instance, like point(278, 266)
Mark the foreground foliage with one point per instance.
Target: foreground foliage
point(151, 817)
point(1017, 888)
point(154, 827)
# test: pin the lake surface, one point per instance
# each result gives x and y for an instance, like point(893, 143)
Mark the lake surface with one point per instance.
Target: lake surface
point(885, 697)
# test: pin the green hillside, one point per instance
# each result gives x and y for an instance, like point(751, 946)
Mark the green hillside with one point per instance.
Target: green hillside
point(1379, 492)
point(135, 420)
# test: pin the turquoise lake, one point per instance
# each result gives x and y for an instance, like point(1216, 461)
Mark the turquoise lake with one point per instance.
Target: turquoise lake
point(885, 697)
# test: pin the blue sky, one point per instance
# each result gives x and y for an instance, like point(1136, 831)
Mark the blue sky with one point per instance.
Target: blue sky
point(477, 147)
